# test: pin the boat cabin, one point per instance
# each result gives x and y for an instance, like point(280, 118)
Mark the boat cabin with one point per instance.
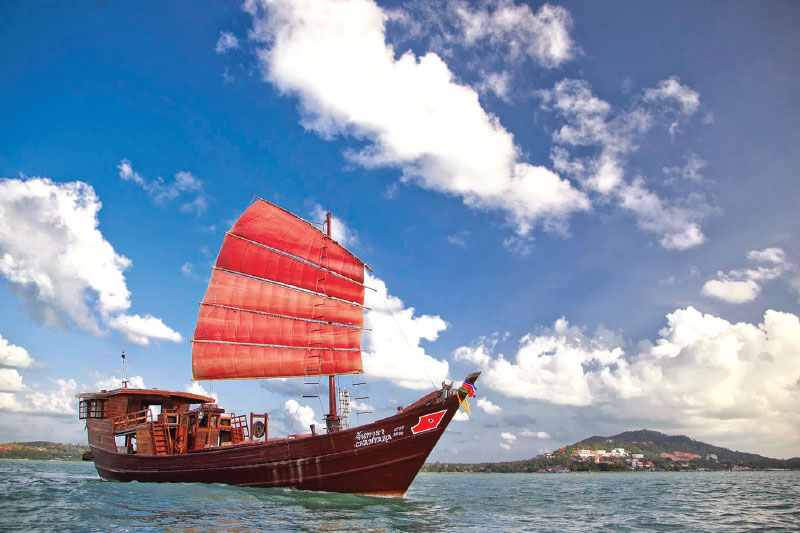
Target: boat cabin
point(159, 422)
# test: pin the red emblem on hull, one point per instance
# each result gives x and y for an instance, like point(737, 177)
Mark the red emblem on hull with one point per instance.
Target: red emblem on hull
point(428, 422)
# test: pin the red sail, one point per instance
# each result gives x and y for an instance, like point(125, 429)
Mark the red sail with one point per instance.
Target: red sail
point(223, 361)
point(284, 300)
point(271, 226)
point(253, 260)
point(240, 292)
point(230, 325)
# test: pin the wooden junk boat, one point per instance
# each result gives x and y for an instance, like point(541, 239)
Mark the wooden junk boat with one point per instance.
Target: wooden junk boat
point(284, 300)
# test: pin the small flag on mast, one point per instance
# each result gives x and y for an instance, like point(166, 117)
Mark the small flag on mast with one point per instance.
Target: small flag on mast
point(123, 355)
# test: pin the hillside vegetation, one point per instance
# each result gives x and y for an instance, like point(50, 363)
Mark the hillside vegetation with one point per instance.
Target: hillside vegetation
point(43, 450)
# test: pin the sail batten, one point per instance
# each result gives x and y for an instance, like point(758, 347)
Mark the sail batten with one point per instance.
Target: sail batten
point(284, 300)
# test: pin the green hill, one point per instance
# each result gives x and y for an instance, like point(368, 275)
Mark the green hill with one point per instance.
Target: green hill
point(42, 450)
point(654, 443)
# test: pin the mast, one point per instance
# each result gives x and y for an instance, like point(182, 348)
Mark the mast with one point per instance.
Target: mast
point(332, 419)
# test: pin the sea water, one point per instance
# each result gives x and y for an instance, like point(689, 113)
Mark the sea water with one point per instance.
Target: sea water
point(70, 496)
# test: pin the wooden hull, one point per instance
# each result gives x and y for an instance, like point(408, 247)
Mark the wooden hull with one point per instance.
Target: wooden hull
point(381, 458)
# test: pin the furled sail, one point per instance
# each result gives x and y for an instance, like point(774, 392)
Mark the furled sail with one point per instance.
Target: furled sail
point(284, 300)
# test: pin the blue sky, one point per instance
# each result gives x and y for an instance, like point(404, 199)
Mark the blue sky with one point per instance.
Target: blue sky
point(593, 203)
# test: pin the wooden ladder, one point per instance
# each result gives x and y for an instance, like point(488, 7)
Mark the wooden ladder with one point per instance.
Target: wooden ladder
point(161, 443)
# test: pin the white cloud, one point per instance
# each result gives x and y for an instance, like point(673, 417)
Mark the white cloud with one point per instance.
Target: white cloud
point(126, 173)
point(767, 255)
point(704, 375)
point(411, 111)
point(10, 380)
point(734, 292)
point(392, 348)
point(185, 188)
point(187, 269)
point(504, 445)
point(13, 356)
point(521, 245)
point(227, 41)
point(114, 382)
point(794, 282)
point(459, 239)
point(59, 401)
point(498, 37)
point(489, 407)
point(537, 434)
point(690, 171)
point(302, 415)
point(741, 286)
point(142, 329)
point(57, 260)
point(340, 231)
point(550, 366)
point(517, 30)
point(671, 89)
point(9, 402)
point(497, 83)
point(677, 224)
point(460, 416)
point(196, 388)
point(355, 405)
point(591, 123)
point(508, 437)
point(227, 77)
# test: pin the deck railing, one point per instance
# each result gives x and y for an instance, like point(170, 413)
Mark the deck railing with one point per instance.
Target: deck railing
point(240, 429)
point(129, 421)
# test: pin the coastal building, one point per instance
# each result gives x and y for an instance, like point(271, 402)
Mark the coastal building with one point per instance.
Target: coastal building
point(619, 452)
point(585, 454)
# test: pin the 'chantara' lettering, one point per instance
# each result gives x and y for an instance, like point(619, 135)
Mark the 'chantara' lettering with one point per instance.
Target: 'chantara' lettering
point(367, 438)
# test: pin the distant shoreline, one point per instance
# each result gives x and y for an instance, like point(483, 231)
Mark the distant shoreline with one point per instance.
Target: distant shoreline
point(42, 451)
point(626, 472)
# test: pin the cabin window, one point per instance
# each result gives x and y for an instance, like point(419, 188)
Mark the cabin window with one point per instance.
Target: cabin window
point(92, 409)
point(97, 408)
point(213, 421)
